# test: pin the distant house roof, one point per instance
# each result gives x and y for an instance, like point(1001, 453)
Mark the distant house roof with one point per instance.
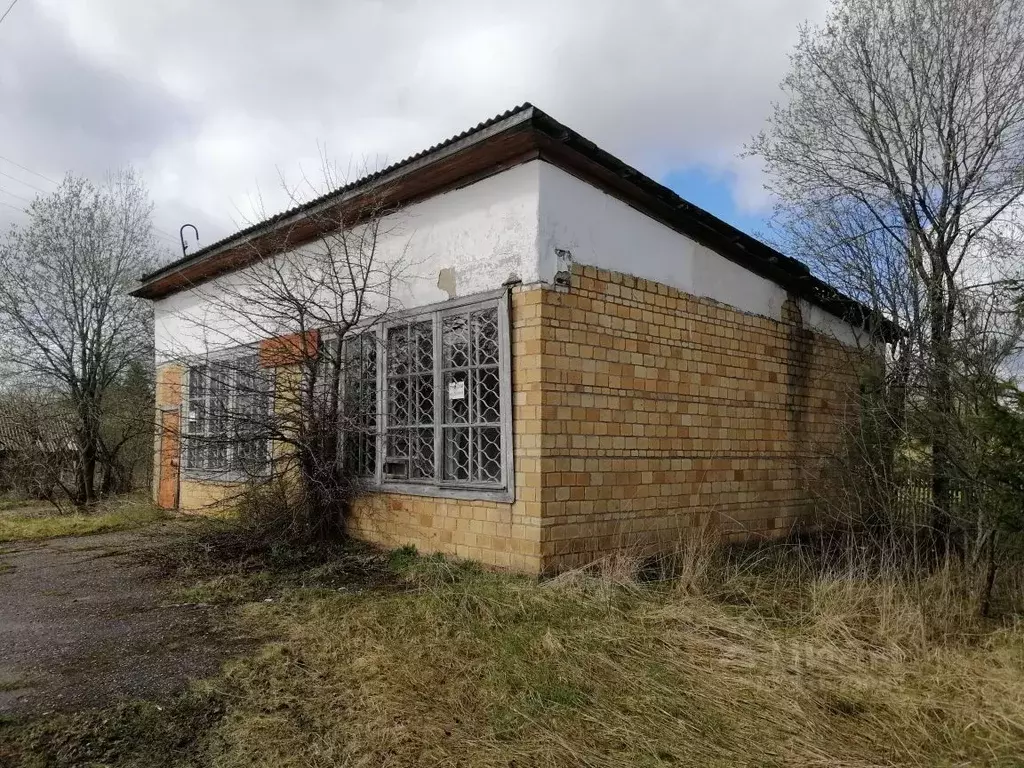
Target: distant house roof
point(23, 432)
point(519, 135)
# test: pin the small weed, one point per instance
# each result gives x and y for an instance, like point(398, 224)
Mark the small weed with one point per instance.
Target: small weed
point(402, 559)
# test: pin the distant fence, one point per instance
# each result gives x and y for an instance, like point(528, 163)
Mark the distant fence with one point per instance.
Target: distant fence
point(914, 499)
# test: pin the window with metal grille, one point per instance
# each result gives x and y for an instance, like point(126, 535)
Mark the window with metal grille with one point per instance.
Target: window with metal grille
point(227, 406)
point(443, 388)
point(471, 427)
point(409, 401)
point(249, 416)
point(359, 414)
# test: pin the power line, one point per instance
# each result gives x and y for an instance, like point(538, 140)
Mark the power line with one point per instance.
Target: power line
point(14, 194)
point(33, 186)
point(9, 7)
point(167, 238)
point(19, 210)
point(34, 173)
point(163, 232)
point(47, 178)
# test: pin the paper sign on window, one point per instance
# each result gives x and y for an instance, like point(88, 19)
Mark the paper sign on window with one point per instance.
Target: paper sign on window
point(457, 390)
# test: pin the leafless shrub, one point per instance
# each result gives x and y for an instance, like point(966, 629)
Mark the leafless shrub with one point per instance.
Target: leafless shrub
point(279, 397)
point(898, 162)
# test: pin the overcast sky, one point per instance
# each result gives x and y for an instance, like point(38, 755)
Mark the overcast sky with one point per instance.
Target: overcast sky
point(214, 101)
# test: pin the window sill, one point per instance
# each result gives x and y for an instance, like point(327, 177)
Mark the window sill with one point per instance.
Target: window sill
point(214, 476)
point(502, 495)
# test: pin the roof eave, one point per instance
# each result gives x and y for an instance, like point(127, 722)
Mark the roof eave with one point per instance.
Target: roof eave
point(511, 120)
point(570, 151)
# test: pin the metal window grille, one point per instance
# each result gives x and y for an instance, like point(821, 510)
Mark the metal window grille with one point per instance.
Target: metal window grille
point(218, 416)
point(409, 436)
point(225, 406)
point(446, 399)
point(360, 405)
point(426, 404)
point(472, 397)
point(195, 451)
point(249, 429)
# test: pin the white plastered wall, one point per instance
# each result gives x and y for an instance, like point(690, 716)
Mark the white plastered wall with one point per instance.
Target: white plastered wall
point(481, 236)
point(509, 226)
point(602, 231)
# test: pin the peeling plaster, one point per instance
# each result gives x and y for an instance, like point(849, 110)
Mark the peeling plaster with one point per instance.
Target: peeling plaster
point(446, 282)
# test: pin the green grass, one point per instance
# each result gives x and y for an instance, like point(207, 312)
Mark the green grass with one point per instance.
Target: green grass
point(444, 663)
point(21, 523)
point(14, 684)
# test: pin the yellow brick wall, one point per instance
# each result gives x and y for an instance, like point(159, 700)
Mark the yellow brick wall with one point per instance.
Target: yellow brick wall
point(208, 495)
point(662, 411)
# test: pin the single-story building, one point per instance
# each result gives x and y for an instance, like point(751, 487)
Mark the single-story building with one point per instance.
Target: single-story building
point(611, 365)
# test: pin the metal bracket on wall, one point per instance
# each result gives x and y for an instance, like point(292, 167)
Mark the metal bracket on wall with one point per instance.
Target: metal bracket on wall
point(563, 267)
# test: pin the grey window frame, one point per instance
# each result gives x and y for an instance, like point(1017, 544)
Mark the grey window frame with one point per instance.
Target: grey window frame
point(371, 337)
point(230, 473)
point(437, 487)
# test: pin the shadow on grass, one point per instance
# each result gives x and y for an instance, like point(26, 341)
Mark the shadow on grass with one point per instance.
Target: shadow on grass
point(226, 562)
point(174, 734)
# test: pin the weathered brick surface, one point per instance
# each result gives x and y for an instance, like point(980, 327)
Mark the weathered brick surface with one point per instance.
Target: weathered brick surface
point(639, 413)
point(167, 434)
point(501, 534)
point(662, 411)
point(208, 495)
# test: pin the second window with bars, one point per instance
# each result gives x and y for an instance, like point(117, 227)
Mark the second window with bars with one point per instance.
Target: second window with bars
point(443, 397)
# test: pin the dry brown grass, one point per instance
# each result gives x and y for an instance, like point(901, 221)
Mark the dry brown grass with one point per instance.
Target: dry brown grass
point(776, 657)
point(749, 663)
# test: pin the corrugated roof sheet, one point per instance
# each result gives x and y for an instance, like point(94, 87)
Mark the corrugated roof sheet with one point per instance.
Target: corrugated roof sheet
point(30, 432)
point(522, 108)
point(735, 244)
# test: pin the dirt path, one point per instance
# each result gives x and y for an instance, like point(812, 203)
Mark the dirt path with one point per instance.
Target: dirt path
point(82, 624)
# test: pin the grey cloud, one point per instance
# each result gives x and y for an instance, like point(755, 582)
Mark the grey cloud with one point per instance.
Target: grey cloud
point(214, 100)
point(63, 111)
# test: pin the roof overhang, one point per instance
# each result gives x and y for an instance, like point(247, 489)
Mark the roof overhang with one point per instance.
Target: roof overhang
point(510, 139)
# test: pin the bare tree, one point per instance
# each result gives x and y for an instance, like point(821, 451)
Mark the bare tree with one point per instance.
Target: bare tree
point(126, 431)
point(898, 159)
point(282, 394)
point(69, 325)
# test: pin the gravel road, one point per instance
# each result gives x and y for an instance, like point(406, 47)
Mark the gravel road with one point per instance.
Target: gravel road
point(83, 623)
